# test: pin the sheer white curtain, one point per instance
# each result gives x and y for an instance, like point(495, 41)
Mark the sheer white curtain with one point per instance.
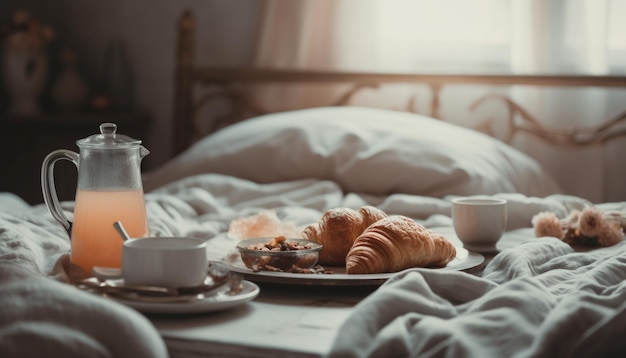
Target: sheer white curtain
point(521, 36)
point(479, 36)
point(318, 34)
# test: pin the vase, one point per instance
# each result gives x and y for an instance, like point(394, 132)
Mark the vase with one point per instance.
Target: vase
point(25, 74)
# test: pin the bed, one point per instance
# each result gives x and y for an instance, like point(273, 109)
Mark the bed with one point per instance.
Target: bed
point(535, 296)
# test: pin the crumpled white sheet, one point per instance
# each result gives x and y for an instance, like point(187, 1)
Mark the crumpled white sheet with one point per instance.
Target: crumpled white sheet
point(206, 204)
point(34, 263)
point(540, 299)
point(42, 315)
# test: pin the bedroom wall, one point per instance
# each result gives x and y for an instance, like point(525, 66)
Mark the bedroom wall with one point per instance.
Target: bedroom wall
point(147, 28)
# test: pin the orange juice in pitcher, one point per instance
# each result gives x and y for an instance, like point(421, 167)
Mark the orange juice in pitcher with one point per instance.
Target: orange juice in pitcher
point(94, 240)
point(109, 189)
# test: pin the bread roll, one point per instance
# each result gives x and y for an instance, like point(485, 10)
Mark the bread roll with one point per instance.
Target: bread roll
point(337, 229)
point(396, 243)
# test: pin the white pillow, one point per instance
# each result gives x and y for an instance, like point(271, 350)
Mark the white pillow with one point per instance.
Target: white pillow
point(364, 150)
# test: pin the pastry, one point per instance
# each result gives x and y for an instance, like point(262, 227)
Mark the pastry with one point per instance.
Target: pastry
point(396, 243)
point(264, 224)
point(337, 229)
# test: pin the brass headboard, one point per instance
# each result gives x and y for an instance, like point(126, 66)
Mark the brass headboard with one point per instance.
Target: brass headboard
point(222, 80)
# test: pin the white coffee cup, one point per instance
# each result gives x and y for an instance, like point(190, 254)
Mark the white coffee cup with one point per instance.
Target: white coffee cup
point(164, 261)
point(479, 222)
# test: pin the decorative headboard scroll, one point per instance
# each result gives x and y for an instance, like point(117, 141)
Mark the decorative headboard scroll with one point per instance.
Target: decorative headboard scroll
point(221, 83)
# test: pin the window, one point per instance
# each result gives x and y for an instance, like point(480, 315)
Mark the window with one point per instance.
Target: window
point(445, 35)
point(519, 36)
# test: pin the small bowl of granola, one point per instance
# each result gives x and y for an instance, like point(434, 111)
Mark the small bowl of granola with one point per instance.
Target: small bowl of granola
point(278, 253)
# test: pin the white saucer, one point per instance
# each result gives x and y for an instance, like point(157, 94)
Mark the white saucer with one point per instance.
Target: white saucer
point(220, 301)
point(464, 260)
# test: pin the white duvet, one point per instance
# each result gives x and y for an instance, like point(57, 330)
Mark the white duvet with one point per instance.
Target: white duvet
point(537, 298)
point(540, 299)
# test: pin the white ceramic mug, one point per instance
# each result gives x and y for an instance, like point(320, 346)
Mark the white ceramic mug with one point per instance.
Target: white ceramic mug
point(164, 261)
point(479, 222)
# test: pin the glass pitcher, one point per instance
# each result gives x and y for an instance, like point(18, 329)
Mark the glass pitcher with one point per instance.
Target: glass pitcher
point(109, 189)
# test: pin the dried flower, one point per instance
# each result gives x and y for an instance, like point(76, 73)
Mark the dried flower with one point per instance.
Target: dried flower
point(591, 222)
point(610, 233)
point(25, 33)
point(571, 220)
point(589, 227)
point(547, 224)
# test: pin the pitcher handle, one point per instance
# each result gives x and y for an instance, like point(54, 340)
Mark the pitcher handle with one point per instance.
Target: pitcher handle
point(48, 188)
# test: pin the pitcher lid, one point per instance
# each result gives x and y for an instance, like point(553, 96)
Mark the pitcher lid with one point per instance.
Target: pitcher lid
point(108, 138)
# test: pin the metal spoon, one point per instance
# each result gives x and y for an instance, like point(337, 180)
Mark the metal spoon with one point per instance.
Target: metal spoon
point(120, 230)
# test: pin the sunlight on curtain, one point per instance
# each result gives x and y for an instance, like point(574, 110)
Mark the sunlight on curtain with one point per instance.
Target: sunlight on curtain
point(444, 35)
point(313, 35)
point(318, 34)
point(518, 36)
point(617, 36)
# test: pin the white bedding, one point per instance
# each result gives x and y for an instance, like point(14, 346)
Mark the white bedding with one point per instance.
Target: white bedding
point(539, 299)
point(531, 300)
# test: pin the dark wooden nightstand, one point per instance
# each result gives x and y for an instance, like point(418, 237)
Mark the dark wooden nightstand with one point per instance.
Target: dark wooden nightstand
point(25, 142)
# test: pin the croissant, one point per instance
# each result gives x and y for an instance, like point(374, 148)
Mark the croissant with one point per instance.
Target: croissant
point(337, 229)
point(396, 243)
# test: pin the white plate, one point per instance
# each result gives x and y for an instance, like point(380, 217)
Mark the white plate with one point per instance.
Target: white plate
point(464, 260)
point(219, 301)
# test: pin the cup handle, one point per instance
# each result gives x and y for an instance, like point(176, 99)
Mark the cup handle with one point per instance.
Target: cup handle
point(48, 188)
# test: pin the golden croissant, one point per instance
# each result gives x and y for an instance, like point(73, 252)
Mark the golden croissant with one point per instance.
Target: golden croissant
point(337, 229)
point(396, 243)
